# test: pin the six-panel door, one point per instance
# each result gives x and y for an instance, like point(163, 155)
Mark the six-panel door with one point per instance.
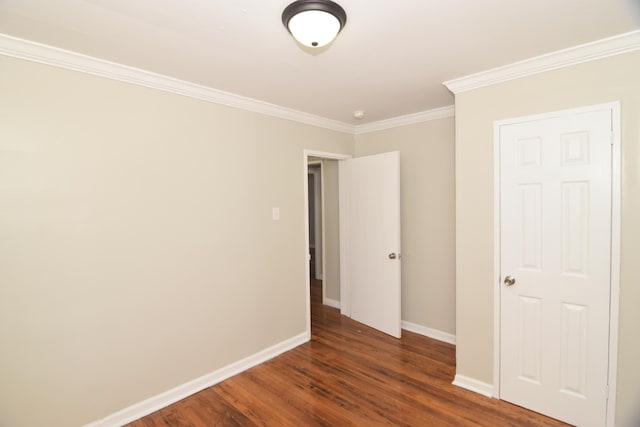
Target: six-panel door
point(555, 213)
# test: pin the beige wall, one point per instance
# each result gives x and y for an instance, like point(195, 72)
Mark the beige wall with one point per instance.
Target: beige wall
point(137, 250)
point(428, 211)
point(611, 79)
point(331, 230)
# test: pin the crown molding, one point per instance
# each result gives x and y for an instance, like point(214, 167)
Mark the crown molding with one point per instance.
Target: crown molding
point(424, 116)
point(61, 58)
point(50, 55)
point(610, 46)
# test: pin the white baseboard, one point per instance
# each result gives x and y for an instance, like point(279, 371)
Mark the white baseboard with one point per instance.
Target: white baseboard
point(428, 332)
point(168, 397)
point(331, 303)
point(476, 386)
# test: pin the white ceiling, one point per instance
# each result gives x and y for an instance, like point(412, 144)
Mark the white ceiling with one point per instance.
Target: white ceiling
point(390, 60)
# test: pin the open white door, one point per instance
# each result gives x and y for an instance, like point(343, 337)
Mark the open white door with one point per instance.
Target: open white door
point(373, 235)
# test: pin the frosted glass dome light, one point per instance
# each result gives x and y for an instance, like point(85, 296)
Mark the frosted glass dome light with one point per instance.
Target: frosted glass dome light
point(314, 23)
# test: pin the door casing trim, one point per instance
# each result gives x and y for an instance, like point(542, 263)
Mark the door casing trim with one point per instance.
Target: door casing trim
point(614, 107)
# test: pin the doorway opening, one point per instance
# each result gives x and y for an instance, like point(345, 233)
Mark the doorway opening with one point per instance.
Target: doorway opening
point(366, 275)
point(322, 228)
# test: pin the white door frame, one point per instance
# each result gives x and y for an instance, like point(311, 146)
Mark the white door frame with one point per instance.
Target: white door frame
point(614, 107)
point(343, 260)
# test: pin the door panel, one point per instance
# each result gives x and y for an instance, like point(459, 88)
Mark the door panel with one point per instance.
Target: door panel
point(555, 211)
point(373, 234)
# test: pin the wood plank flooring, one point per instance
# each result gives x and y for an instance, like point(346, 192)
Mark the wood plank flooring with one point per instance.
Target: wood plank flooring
point(347, 375)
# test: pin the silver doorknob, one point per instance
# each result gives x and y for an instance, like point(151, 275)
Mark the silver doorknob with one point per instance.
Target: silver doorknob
point(509, 281)
point(392, 255)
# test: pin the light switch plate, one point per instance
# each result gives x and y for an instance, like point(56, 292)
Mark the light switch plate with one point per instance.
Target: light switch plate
point(275, 214)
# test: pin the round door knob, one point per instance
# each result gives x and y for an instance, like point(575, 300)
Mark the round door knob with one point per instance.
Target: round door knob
point(509, 281)
point(392, 255)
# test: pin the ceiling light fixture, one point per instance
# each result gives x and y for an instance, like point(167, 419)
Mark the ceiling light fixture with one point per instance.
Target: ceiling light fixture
point(314, 23)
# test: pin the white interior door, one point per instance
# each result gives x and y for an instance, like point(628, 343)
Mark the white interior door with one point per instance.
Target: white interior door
point(373, 224)
point(555, 207)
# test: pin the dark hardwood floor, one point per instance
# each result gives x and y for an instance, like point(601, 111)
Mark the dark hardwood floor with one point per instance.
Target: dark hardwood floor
point(347, 375)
